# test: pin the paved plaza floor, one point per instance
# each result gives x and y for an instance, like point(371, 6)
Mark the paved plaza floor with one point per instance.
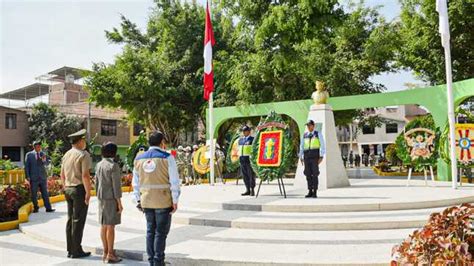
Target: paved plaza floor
point(216, 226)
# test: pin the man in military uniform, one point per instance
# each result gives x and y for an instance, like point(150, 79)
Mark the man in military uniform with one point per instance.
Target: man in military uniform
point(156, 188)
point(196, 176)
point(312, 150)
point(245, 149)
point(181, 163)
point(75, 174)
point(188, 165)
point(219, 164)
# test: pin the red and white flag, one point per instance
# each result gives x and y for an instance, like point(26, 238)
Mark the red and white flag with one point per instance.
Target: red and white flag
point(208, 43)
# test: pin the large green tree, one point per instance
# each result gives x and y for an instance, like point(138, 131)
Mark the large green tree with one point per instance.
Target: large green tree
point(421, 49)
point(48, 125)
point(157, 78)
point(265, 51)
point(280, 48)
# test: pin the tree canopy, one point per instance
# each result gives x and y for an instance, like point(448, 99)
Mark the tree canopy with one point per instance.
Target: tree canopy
point(48, 125)
point(420, 43)
point(265, 51)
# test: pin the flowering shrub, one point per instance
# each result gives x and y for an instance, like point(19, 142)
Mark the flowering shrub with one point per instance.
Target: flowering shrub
point(447, 239)
point(11, 199)
point(55, 186)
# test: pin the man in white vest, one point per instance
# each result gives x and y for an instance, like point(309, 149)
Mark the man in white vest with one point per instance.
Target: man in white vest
point(156, 188)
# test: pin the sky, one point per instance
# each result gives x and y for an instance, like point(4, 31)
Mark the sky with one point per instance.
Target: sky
point(38, 36)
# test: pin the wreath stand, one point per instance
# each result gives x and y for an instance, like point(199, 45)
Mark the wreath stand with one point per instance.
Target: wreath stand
point(430, 167)
point(281, 187)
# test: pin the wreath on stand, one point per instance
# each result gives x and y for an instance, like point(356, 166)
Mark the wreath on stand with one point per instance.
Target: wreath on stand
point(272, 150)
point(421, 132)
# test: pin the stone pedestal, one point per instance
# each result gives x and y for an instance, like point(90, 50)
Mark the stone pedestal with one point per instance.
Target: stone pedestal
point(332, 171)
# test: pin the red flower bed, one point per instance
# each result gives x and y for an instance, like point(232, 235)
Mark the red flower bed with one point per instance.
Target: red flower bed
point(447, 239)
point(11, 199)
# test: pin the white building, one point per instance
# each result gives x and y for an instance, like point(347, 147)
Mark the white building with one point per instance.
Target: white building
point(374, 140)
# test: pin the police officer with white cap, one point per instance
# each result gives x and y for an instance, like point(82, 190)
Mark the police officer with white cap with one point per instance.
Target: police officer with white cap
point(245, 150)
point(312, 150)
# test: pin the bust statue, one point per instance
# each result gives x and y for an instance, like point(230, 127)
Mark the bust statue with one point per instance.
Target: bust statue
point(321, 95)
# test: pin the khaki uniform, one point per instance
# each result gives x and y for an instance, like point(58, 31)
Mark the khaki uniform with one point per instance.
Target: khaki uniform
point(181, 163)
point(74, 164)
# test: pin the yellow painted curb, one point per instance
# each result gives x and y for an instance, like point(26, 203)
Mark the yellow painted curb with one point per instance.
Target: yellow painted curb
point(25, 210)
point(380, 173)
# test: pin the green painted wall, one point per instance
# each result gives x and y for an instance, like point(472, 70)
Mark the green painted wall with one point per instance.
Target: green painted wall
point(433, 98)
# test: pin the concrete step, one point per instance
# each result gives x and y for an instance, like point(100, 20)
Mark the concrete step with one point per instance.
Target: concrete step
point(301, 205)
point(207, 245)
point(305, 221)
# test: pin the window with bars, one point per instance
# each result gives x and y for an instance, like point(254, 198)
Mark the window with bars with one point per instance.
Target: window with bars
point(108, 128)
point(10, 121)
point(368, 130)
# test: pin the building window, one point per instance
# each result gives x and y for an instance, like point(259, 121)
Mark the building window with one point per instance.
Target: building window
point(108, 128)
point(368, 130)
point(11, 153)
point(391, 128)
point(10, 121)
point(137, 128)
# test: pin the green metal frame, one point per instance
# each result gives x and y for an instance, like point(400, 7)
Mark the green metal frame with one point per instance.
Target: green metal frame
point(433, 98)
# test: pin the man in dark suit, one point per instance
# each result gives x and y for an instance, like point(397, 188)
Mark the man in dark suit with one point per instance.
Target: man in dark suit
point(35, 172)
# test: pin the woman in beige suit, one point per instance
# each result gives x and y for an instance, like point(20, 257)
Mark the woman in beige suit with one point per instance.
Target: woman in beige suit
point(109, 192)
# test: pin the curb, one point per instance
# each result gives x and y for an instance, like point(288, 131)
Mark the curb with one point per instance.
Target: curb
point(25, 210)
point(179, 260)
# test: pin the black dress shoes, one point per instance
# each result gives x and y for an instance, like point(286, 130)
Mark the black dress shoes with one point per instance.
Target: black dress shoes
point(81, 255)
point(310, 194)
point(35, 210)
point(51, 210)
point(252, 192)
point(246, 193)
point(315, 195)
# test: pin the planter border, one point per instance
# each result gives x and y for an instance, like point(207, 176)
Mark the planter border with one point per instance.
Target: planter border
point(25, 210)
point(380, 173)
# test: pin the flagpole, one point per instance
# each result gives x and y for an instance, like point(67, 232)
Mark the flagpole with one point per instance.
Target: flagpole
point(451, 120)
point(211, 125)
point(442, 8)
point(211, 136)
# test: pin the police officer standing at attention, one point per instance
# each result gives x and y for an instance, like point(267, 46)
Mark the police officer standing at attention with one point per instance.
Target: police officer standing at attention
point(156, 190)
point(75, 174)
point(312, 150)
point(245, 149)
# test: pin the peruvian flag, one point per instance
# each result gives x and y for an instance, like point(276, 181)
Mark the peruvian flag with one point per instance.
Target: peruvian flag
point(208, 43)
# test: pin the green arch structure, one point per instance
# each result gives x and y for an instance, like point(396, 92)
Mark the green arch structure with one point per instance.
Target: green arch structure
point(433, 98)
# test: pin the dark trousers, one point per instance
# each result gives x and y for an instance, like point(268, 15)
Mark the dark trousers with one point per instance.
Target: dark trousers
point(158, 223)
point(76, 218)
point(247, 172)
point(311, 171)
point(43, 188)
